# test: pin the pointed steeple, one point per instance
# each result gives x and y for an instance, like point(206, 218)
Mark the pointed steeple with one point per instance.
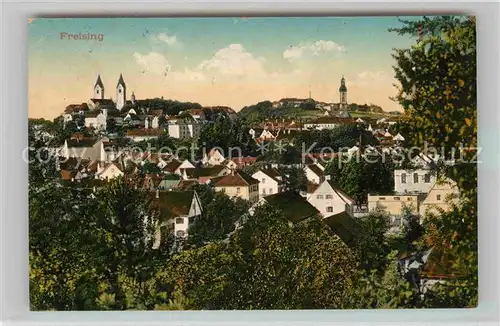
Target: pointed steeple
point(99, 82)
point(98, 88)
point(121, 81)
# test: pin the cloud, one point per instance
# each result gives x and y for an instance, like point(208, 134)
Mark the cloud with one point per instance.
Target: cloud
point(370, 75)
point(307, 50)
point(153, 62)
point(233, 60)
point(168, 39)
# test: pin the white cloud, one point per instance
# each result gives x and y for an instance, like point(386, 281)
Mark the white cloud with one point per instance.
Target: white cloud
point(315, 49)
point(233, 60)
point(168, 39)
point(153, 62)
point(370, 75)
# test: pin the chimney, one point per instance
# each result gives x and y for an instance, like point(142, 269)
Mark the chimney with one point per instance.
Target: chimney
point(327, 177)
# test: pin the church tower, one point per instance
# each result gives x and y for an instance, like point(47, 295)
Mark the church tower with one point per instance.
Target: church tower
point(99, 89)
point(343, 94)
point(121, 95)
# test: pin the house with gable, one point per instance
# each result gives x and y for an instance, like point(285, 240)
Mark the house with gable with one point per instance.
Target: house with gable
point(108, 171)
point(271, 181)
point(214, 157)
point(237, 184)
point(442, 195)
point(418, 179)
point(177, 210)
point(330, 200)
point(314, 173)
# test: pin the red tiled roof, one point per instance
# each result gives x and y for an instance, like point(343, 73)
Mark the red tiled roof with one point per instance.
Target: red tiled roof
point(244, 160)
point(145, 132)
point(239, 179)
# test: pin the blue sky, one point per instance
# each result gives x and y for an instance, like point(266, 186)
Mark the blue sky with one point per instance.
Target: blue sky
point(214, 61)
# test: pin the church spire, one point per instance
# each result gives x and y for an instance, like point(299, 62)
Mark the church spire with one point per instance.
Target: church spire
point(121, 81)
point(99, 81)
point(98, 88)
point(121, 93)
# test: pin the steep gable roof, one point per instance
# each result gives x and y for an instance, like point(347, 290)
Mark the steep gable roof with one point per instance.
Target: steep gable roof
point(345, 197)
point(121, 81)
point(99, 82)
point(316, 170)
point(295, 207)
point(238, 179)
point(172, 204)
point(345, 227)
point(272, 173)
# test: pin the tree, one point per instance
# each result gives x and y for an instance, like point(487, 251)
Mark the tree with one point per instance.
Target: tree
point(438, 91)
point(372, 246)
point(217, 220)
point(294, 178)
point(226, 133)
point(359, 176)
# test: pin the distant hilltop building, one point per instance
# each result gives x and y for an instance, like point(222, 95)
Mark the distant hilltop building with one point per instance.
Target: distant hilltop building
point(121, 92)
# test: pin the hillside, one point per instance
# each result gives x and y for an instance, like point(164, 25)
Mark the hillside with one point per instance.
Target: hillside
point(303, 108)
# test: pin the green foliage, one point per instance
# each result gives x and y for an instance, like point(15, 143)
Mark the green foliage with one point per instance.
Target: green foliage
point(372, 246)
point(341, 137)
point(439, 94)
point(359, 177)
point(169, 107)
point(294, 178)
point(226, 134)
point(217, 220)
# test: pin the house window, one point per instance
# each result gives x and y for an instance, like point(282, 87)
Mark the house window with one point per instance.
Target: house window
point(180, 233)
point(263, 181)
point(263, 191)
point(381, 198)
point(329, 209)
point(427, 178)
point(119, 91)
point(409, 198)
point(238, 190)
point(329, 197)
point(179, 220)
point(403, 178)
point(397, 198)
point(415, 177)
point(319, 197)
point(270, 190)
point(438, 197)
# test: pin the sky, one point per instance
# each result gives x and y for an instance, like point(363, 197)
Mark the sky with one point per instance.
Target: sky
point(213, 61)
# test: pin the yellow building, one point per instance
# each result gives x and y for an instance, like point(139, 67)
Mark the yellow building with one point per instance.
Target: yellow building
point(393, 204)
point(238, 184)
point(442, 195)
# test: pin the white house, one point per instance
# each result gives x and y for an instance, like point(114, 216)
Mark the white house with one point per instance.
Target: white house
point(177, 209)
point(86, 148)
point(214, 157)
point(417, 180)
point(329, 200)
point(271, 181)
point(314, 173)
point(322, 123)
point(184, 129)
point(413, 181)
point(108, 171)
point(266, 134)
point(96, 120)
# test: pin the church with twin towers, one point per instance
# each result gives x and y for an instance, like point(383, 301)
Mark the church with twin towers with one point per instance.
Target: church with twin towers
point(121, 92)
